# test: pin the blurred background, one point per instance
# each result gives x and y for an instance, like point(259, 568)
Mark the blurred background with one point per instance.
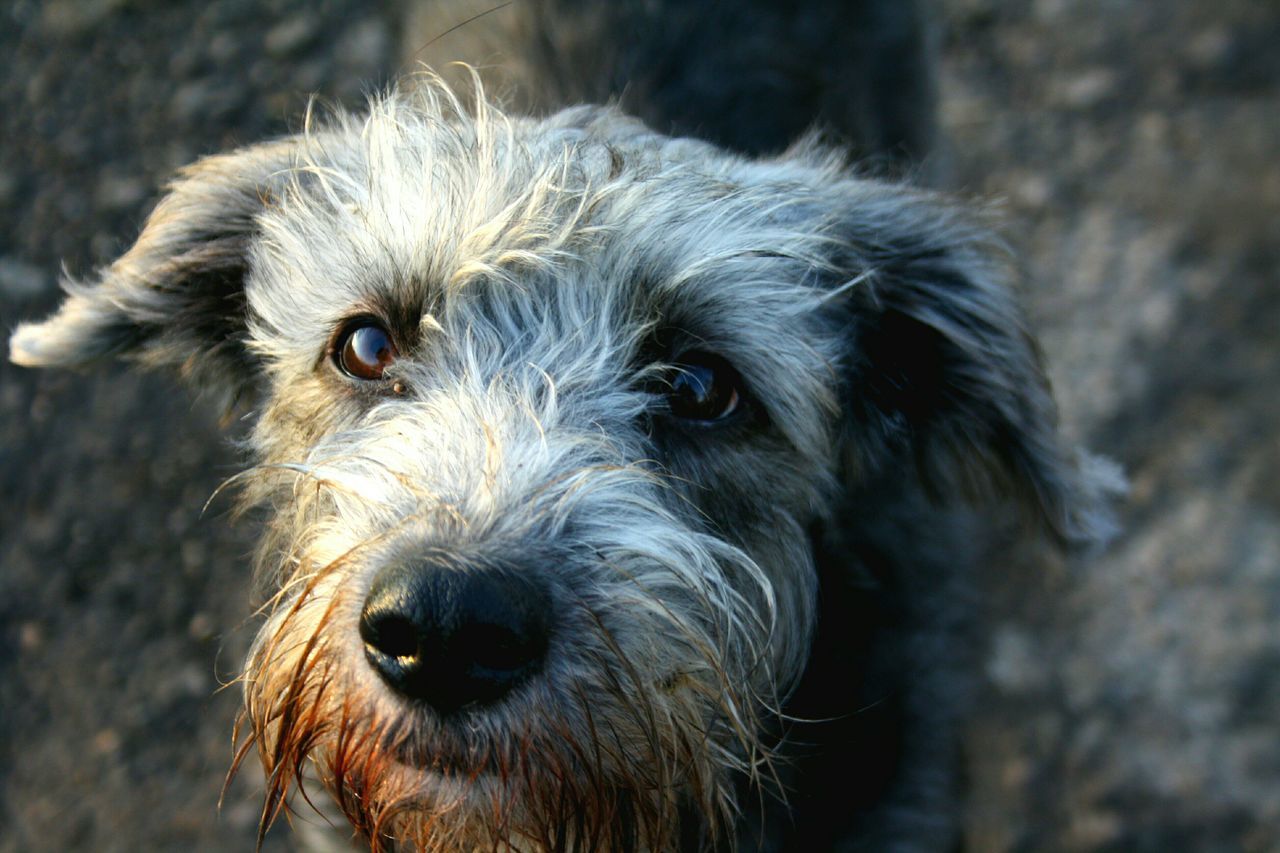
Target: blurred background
point(1131, 702)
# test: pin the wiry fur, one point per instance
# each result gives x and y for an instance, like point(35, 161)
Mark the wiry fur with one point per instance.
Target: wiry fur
point(537, 275)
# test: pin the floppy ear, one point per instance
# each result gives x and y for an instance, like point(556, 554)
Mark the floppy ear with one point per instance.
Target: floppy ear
point(944, 375)
point(176, 298)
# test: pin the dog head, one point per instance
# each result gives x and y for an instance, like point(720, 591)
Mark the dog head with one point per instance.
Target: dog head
point(546, 415)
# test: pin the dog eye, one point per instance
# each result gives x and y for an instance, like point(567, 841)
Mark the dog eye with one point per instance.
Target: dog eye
point(364, 349)
point(703, 387)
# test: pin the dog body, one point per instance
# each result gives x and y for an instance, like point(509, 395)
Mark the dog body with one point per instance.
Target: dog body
point(617, 485)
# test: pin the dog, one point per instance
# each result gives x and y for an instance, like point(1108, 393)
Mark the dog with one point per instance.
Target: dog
point(620, 488)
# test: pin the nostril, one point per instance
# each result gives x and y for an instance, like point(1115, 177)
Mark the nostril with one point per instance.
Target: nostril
point(395, 636)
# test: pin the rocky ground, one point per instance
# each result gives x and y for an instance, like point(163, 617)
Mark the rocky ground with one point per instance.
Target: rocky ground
point(1128, 703)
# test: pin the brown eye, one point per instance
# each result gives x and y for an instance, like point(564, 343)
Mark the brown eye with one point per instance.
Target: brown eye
point(364, 349)
point(703, 387)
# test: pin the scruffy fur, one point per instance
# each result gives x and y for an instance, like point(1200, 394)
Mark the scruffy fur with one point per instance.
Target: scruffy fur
point(752, 622)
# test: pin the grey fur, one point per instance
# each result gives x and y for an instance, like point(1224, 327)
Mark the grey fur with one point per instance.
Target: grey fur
point(536, 274)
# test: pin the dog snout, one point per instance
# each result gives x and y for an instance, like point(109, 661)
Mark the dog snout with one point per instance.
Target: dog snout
point(455, 637)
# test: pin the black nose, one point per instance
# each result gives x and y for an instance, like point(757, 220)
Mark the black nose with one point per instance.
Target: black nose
point(452, 636)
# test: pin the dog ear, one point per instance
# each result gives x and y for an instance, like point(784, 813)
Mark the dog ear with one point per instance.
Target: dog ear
point(176, 298)
point(943, 373)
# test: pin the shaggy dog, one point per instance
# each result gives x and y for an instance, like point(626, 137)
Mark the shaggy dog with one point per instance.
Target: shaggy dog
point(620, 488)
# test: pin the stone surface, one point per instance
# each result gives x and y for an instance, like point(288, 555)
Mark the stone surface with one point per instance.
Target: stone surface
point(1128, 703)
point(1132, 701)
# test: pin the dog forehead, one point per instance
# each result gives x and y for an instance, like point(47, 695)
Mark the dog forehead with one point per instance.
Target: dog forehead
point(587, 206)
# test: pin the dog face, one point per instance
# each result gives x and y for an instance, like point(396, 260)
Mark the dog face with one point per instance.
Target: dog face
point(548, 413)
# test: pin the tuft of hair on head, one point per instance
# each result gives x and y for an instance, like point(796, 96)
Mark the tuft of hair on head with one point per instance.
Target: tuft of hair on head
point(176, 299)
